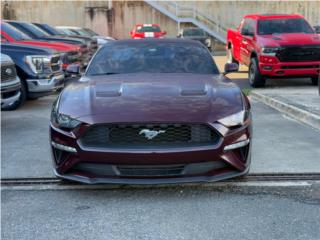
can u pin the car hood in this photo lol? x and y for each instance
(276, 40)
(151, 98)
(61, 47)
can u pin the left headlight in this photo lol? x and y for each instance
(61, 120)
(236, 119)
(39, 64)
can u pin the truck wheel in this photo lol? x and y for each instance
(230, 57)
(255, 77)
(20, 101)
(315, 80)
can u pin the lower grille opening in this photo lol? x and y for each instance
(145, 171)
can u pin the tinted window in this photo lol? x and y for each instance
(148, 29)
(193, 32)
(156, 57)
(248, 27)
(14, 33)
(283, 25)
(49, 29)
(91, 32)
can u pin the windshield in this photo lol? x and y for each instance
(29, 29)
(14, 33)
(67, 31)
(283, 25)
(156, 57)
(148, 29)
(49, 29)
(193, 32)
(91, 32)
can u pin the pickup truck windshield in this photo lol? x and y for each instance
(283, 25)
(156, 57)
(193, 32)
(14, 33)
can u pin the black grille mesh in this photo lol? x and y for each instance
(8, 73)
(299, 53)
(171, 135)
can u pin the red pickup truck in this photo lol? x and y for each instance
(275, 46)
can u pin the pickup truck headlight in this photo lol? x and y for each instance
(39, 64)
(236, 119)
(61, 120)
(270, 51)
(208, 42)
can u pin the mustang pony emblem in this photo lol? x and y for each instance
(150, 134)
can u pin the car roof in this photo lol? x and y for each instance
(272, 16)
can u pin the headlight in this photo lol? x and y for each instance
(235, 119)
(61, 120)
(39, 64)
(270, 51)
(208, 42)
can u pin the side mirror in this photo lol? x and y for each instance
(164, 32)
(73, 69)
(317, 29)
(231, 67)
(130, 33)
(179, 35)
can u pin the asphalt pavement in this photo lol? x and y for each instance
(163, 213)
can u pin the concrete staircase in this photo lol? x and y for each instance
(188, 14)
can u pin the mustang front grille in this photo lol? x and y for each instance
(299, 53)
(152, 135)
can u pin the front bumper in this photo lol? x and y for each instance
(10, 92)
(282, 69)
(44, 86)
(195, 164)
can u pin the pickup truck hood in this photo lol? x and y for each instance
(288, 39)
(151, 98)
(60, 47)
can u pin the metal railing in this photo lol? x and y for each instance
(184, 14)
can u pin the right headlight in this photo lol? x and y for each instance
(270, 51)
(61, 120)
(39, 64)
(236, 119)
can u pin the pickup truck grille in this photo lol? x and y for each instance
(299, 53)
(8, 72)
(142, 136)
(55, 63)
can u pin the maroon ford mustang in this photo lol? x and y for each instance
(151, 111)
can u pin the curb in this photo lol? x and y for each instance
(298, 114)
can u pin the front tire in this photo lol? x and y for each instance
(315, 80)
(255, 77)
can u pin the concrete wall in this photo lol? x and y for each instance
(119, 20)
(229, 13)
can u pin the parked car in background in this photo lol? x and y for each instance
(70, 54)
(66, 31)
(147, 31)
(39, 70)
(86, 32)
(197, 34)
(142, 116)
(37, 33)
(275, 45)
(10, 84)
